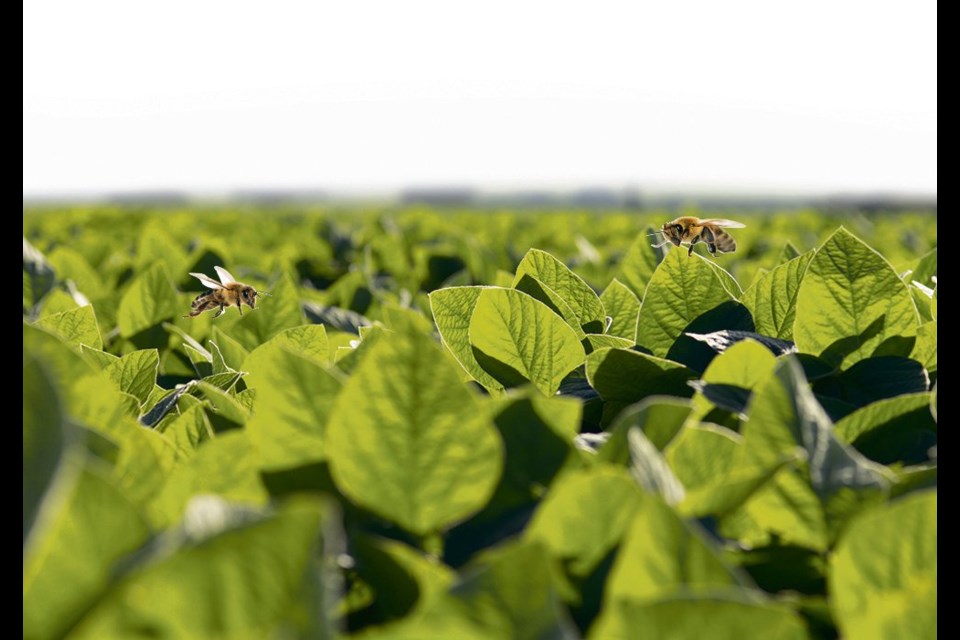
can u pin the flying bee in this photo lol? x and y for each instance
(226, 293)
(690, 230)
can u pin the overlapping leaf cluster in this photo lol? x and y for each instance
(514, 455)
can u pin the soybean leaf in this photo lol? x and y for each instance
(883, 574)
(148, 301)
(452, 309)
(852, 305)
(772, 298)
(76, 327)
(586, 305)
(295, 396)
(517, 338)
(623, 308)
(395, 437)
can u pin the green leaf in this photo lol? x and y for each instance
(924, 270)
(871, 380)
(651, 470)
(38, 275)
(517, 338)
(784, 416)
(640, 262)
(745, 364)
(225, 466)
(925, 348)
(784, 511)
(682, 289)
(623, 377)
(662, 556)
(136, 373)
(922, 298)
(43, 437)
(98, 359)
(509, 593)
(883, 574)
(604, 341)
(659, 417)
(585, 516)
(721, 617)
(708, 461)
(295, 396)
(76, 327)
(787, 253)
(86, 526)
(587, 309)
(404, 581)
(148, 301)
(772, 298)
(223, 405)
(623, 308)
(224, 381)
(71, 265)
(281, 310)
(537, 433)
(232, 573)
(308, 341)
(57, 301)
(452, 309)
(396, 437)
(541, 292)
(891, 430)
(189, 430)
(232, 352)
(157, 246)
(852, 305)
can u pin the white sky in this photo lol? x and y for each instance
(212, 96)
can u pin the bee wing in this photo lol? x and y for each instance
(225, 276)
(722, 222)
(207, 281)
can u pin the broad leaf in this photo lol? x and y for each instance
(772, 298)
(136, 373)
(623, 308)
(723, 617)
(228, 572)
(77, 327)
(149, 300)
(852, 305)
(640, 262)
(396, 437)
(295, 396)
(682, 289)
(585, 516)
(890, 430)
(86, 527)
(452, 309)
(586, 305)
(517, 338)
(623, 377)
(225, 466)
(883, 574)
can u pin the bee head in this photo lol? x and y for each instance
(672, 232)
(248, 296)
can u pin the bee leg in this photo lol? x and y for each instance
(712, 248)
(219, 312)
(239, 308)
(693, 242)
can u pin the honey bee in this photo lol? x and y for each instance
(690, 230)
(226, 293)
